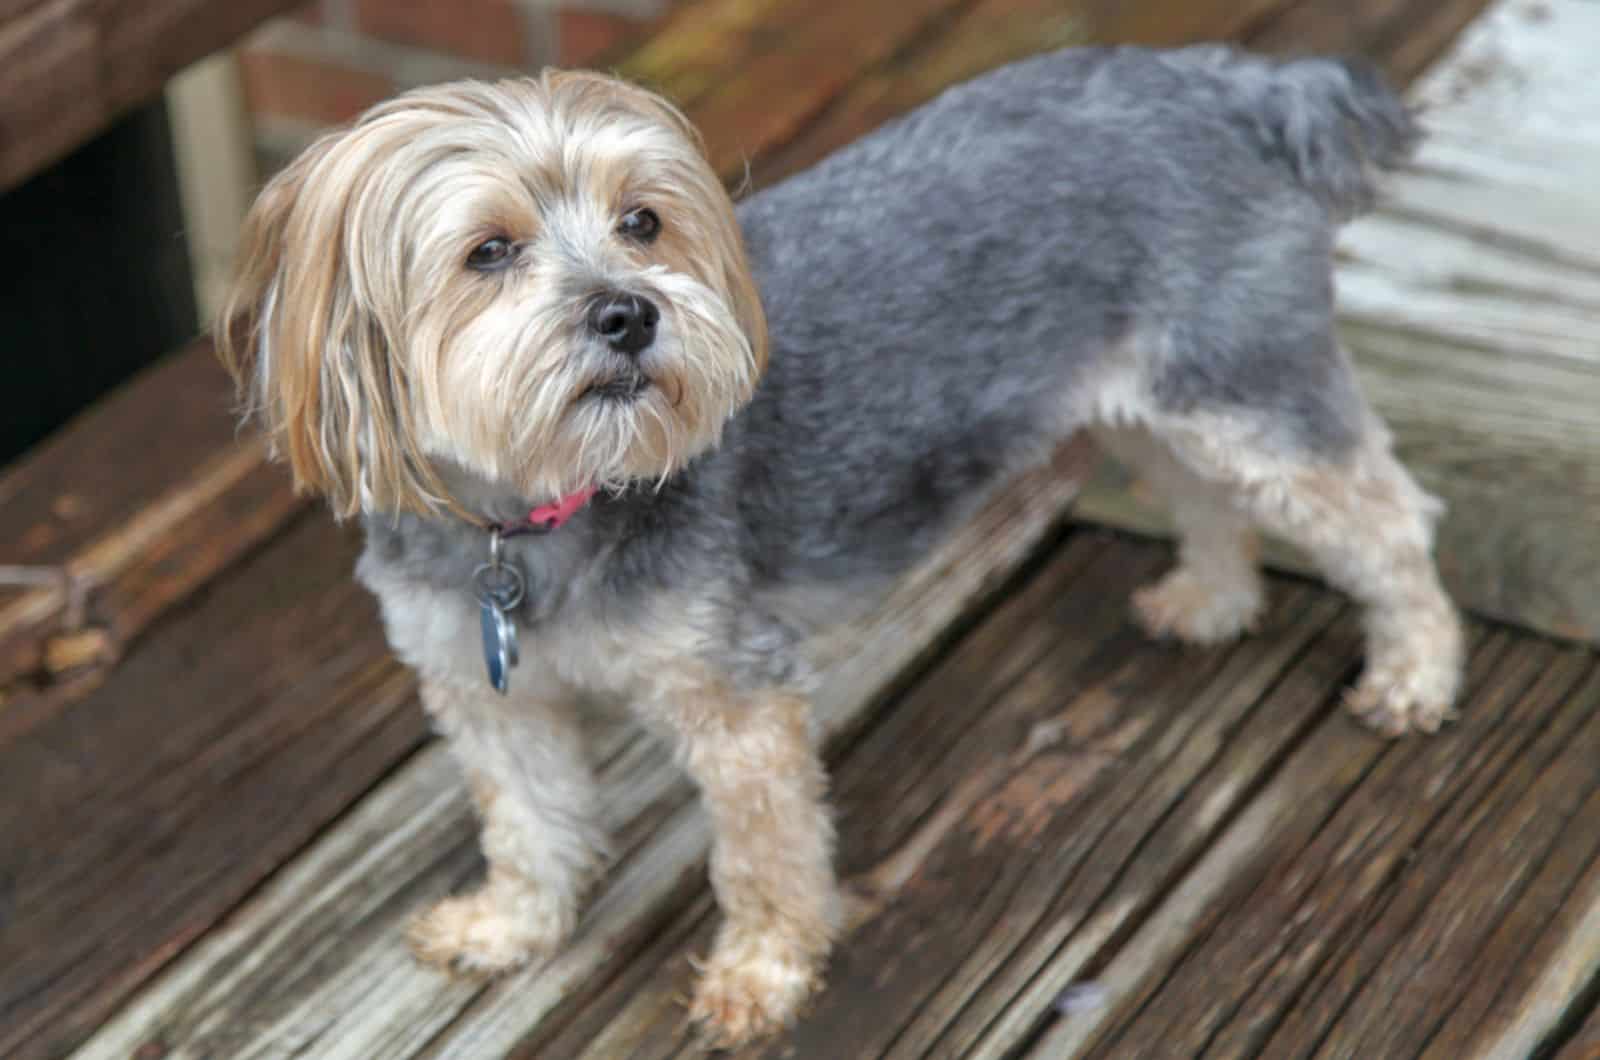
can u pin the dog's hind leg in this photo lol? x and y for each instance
(1365, 524)
(1215, 591)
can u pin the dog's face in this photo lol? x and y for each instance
(539, 281)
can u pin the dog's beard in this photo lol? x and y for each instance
(529, 400)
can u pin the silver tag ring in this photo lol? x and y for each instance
(498, 585)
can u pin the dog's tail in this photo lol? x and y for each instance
(1334, 122)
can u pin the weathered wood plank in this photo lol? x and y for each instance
(1470, 302)
(769, 101)
(1065, 608)
(72, 67)
(51, 104)
(1348, 855)
(132, 574)
(293, 968)
(1469, 875)
(1023, 995)
(1403, 38)
(1012, 964)
(984, 35)
(138, 535)
(1519, 992)
(1584, 1043)
(1301, 803)
(148, 809)
(702, 40)
(652, 1010)
(79, 482)
(321, 1004)
(987, 34)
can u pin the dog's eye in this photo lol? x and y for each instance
(491, 254)
(641, 225)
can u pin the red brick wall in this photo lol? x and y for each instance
(334, 58)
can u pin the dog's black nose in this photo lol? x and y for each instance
(626, 321)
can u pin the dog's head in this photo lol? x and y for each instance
(540, 281)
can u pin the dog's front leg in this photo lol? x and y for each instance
(754, 759)
(536, 800)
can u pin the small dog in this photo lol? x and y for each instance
(486, 310)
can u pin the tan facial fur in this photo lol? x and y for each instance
(372, 352)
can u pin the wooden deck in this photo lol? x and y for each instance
(220, 803)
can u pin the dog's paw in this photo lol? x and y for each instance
(750, 987)
(1410, 685)
(487, 932)
(1181, 605)
(1395, 697)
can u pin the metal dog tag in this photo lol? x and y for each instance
(499, 645)
(499, 587)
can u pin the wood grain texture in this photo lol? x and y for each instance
(143, 499)
(771, 99)
(1404, 38)
(1539, 967)
(1346, 912)
(139, 441)
(143, 812)
(133, 573)
(978, 37)
(1584, 1042)
(69, 68)
(49, 52)
(295, 969)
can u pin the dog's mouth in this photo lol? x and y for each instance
(627, 386)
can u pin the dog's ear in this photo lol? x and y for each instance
(307, 351)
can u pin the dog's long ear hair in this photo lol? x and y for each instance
(307, 349)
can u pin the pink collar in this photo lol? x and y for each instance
(550, 516)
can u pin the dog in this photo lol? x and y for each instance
(615, 440)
